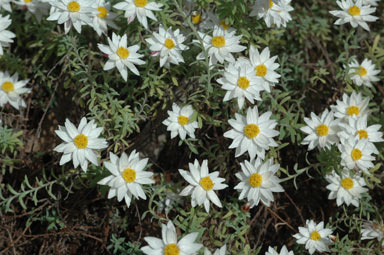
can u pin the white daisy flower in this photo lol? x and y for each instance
(258, 181)
(264, 67)
(5, 35)
(273, 12)
(140, 8)
(354, 106)
(355, 13)
(169, 245)
(283, 251)
(363, 74)
(372, 230)
(128, 175)
(37, 7)
(315, 237)
(220, 46)
(241, 82)
(345, 188)
(179, 121)
(321, 132)
(252, 133)
(72, 12)
(11, 89)
(80, 143)
(221, 251)
(121, 56)
(358, 127)
(103, 18)
(356, 153)
(6, 5)
(202, 184)
(169, 45)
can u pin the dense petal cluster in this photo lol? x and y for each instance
(127, 176)
(355, 13)
(273, 12)
(180, 121)
(314, 236)
(6, 36)
(79, 143)
(252, 133)
(364, 73)
(169, 245)
(202, 185)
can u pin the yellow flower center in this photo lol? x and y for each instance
(224, 25)
(81, 141)
(169, 44)
(73, 6)
(362, 133)
(261, 70)
(362, 71)
(218, 41)
(315, 236)
(354, 10)
(182, 120)
(196, 19)
(251, 130)
(270, 4)
(122, 52)
(103, 13)
(255, 180)
(347, 183)
(27, 1)
(353, 110)
(171, 249)
(140, 3)
(8, 86)
(206, 183)
(243, 82)
(129, 175)
(322, 130)
(356, 154)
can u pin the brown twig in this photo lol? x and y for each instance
(277, 216)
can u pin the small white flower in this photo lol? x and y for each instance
(354, 106)
(363, 74)
(169, 45)
(221, 251)
(128, 175)
(264, 67)
(220, 46)
(72, 12)
(283, 251)
(252, 133)
(11, 89)
(179, 121)
(355, 13)
(5, 35)
(372, 230)
(121, 56)
(103, 17)
(202, 185)
(241, 82)
(6, 5)
(169, 245)
(37, 7)
(346, 188)
(321, 132)
(140, 8)
(258, 181)
(273, 12)
(80, 142)
(356, 153)
(358, 127)
(315, 237)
